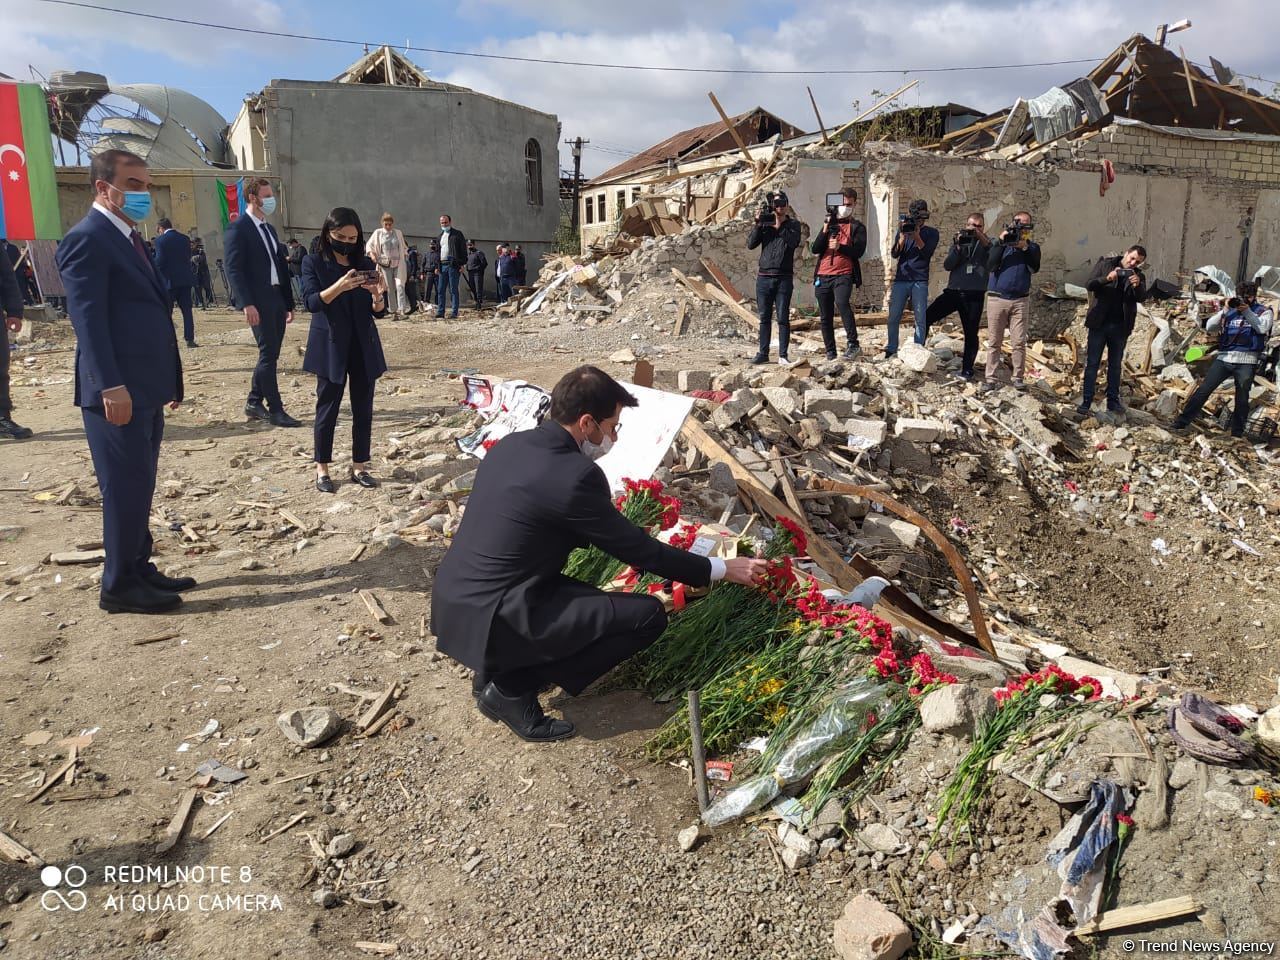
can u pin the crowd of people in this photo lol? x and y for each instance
(990, 275)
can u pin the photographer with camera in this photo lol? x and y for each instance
(1117, 286)
(777, 235)
(913, 249)
(1243, 328)
(966, 287)
(1010, 264)
(839, 245)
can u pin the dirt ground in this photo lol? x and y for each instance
(468, 842)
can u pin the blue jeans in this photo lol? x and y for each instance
(1113, 338)
(918, 291)
(504, 289)
(448, 284)
(1220, 371)
(773, 294)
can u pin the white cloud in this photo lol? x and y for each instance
(634, 109)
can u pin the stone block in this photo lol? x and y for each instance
(866, 434)
(955, 709)
(687, 380)
(740, 403)
(919, 431)
(1117, 458)
(867, 930)
(838, 402)
(1268, 729)
(1114, 682)
(783, 400)
(891, 529)
(721, 479)
(729, 381)
(1167, 404)
(917, 358)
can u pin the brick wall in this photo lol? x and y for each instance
(1254, 161)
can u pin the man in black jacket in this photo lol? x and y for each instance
(11, 301)
(777, 235)
(500, 604)
(413, 261)
(1117, 286)
(966, 287)
(453, 260)
(430, 275)
(839, 245)
(477, 264)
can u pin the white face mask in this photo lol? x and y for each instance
(845, 212)
(594, 451)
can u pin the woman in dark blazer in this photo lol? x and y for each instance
(341, 288)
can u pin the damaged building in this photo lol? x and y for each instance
(409, 145)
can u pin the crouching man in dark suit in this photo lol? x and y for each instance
(127, 369)
(500, 604)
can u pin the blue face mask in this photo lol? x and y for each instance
(268, 205)
(137, 204)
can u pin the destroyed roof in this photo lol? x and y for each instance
(755, 126)
(385, 66)
(1140, 80)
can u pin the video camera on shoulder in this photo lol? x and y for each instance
(774, 200)
(916, 216)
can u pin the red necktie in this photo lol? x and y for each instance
(142, 251)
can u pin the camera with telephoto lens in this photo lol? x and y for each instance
(1235, 303)
(772, 201)
(966, 235)
(907, 223)
(1016, 232)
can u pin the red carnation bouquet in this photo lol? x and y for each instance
(644, 504)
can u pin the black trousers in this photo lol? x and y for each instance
(182, 297)
(329, 400)
(968, 303)
(636, 621)
(429, 294)
(477, 286)
(125, 459)
(1112, 338)
(6, 401)
(411, 292)
(836, 293)
(1220, 371)
(269, 334)
(774, 293)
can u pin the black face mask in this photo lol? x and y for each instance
(344, 247)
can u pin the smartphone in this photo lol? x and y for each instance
(368, 276)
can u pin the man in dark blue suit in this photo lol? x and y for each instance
(258, 271)
(173, 260)
(127, 369)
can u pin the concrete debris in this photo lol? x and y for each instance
(309, 726)
(918, 431)
(867, 930)
(956, 709)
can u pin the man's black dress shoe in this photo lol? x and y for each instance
(139, 598)
(362, 477)
(257, 411)
(523, 714)
(170, 584)
(281, 419)
(10, 429)
(325, 484)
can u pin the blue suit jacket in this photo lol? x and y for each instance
(334, 325)
(120, 311)
(173, 259)
(249, 267)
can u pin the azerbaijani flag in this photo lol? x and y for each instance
(231, 200)
(28, 189)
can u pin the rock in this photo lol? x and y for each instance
(1224, 802)
(1113, 681)
(955, 709)
(917, 358)
(687, 380)
(880, 837)
(309, 726)
(73, 557)
(783, 400)
(827, 823)
(866, 434)
(721, 479)
(1167, 404)
(740, 403)
(919, 431)
(829, 846)
(728, 382)
(789, 836)
(341, 845)
(470, 865)
(890, 530)
(324, 897)
(688, 838)
(1183, 772)
(1176, 371)
(1116, 457)
(14, 893)
(154, 934)
(837, 402)
(795, 859)
(1268, 729)
(461, 482)
(867, 930)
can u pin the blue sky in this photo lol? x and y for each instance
(621, 111)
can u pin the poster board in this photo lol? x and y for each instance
(645, 434)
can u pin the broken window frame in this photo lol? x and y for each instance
(533, 172)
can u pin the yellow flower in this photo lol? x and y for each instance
(776, 713)
(769, 687)
(1266, 796)
(797, 626)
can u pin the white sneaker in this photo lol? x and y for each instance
(784, 362)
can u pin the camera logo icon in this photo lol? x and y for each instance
(53, 899)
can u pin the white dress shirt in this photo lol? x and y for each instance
(718, 569)
(115, 218)
(264, 236)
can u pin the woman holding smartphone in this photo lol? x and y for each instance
(344, 293)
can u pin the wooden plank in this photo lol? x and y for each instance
(16, 852)
(377, 708)
(173, 832)
(61, 772)
(157, 638)
(698, 286)
(1186, 72)
(728, 124)
(289, 825)
(1253, 101)
(835, 135)
(749, 321)
(682, 313)
(822, 129)
(719, 277)
(376, 610)
(1145, 913)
